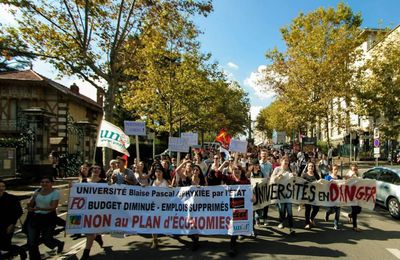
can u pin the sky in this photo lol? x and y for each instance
(239, 32)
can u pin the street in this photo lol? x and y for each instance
(379, 239)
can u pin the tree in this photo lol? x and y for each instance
(92, 39)
(14, 53)
(186, 93)
(379, 93)
(317, 64)
(278, 116)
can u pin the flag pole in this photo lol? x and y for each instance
(95, 144)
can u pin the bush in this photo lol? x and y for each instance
(70, 163)
(323, 146)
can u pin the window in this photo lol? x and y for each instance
(389, 176)
(371, 174)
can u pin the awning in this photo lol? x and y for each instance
(56, 140)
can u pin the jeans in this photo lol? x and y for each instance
(355, 210)
(5, 244)
(335, 210)
(261, 213)
(286, 208)
(41, 229)
(310, 215)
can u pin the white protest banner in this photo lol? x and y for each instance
(176, 144)
(191, 138)
(135, 128)
(113, 137)
(353, 192)
(238, 146)
(215, 210)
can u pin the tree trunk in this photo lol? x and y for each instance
(108, 116)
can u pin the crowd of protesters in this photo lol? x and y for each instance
(200, 168)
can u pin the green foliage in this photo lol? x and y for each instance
(323, 146)
(14, 54)
(181, 90)
(316, 67)
(13, 142)
(98, 40)
(70, 163)
(379, 94)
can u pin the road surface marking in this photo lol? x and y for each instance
(394, 251)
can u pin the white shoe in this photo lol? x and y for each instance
(280, 226)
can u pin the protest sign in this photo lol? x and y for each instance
(191, 138)
(215, 210)
(238, 146)
(135, 128)
(353, 192)
(176, 144)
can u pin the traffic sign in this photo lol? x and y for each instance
(377, 152)
(376, 143)
(376, 133)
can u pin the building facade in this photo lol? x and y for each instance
(39, 116)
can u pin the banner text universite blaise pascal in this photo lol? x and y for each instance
(100, 208)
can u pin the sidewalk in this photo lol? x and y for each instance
(361, 164)
(23, 189)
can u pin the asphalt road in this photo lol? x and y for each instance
(379, 239)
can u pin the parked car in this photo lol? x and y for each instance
(388, 188)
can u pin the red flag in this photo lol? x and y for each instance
(223, 138)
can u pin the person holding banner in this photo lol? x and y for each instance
(158, 182)
(310, 175)
(266, 169)
(254, 172)
(142, 178)
(123, 175)
(331, 177)
(84, 172)
(281, 173)
(184, 179)
(355, 210)
(97, 175)
(113, 165)
(198, 178)
(238, 177)
(228, 166)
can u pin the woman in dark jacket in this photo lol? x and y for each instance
(11, 212)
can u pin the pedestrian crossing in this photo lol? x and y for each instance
(394, 251)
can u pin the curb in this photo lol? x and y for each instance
(27, 194)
